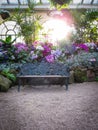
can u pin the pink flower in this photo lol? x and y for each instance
(93, 59)
(36, 43)
(50, 58)
(1, 44)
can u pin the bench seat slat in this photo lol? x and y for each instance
(42, 76)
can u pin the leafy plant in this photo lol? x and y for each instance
(86, 23)
(96, 79)
(8, 40)
(7, 49)
(80, 75)
(21, 52)
(28, 21)
(6, 72)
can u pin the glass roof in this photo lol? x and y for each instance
(4, 4)
(46, 1)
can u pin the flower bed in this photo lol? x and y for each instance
(75, 56)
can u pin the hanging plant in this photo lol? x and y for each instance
(59, 3)
(4, 14)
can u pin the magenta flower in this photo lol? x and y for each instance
(50, 58)
(82, 46)
(46, 50)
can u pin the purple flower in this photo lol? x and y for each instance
(20, 47)
(0, 44)
(33, 57)
(56, 53)
(50, 58)
(32, 48)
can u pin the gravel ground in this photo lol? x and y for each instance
(50, 108)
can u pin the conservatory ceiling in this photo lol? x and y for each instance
(11, 4)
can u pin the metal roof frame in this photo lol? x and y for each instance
(45, 6)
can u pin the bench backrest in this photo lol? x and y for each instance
(44, 68)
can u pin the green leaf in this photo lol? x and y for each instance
(8, 39)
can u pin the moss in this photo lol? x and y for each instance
(80, 75)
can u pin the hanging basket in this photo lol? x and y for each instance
(4, 14)
(59, 2)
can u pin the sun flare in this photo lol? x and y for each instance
(57, 29)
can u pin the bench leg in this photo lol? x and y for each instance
(66, 83)
(19, 83)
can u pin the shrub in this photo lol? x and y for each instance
(80, 75)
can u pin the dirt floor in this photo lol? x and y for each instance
(50, 108)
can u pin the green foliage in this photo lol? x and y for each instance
(83, 59)
(28, 21)
(22, 57)
(8, 40)
(86, 22)
(7, 49)
(91, 15)
(96, 79)
(80, 75)
(6, 72)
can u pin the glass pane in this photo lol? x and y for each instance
(10, 24)
(45, 1)
(95, 2)
(76, 1)
(3, 1)
(37, 1)
(87, 1)
(2, 29)
(9, 28)
(23, 1)
(13, 1)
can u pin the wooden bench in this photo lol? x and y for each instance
(43, 70)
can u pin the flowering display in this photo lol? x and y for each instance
(21, 52)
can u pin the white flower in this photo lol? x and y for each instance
(40, 48)
(91, 45)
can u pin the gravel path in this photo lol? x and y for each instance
(50, 108)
